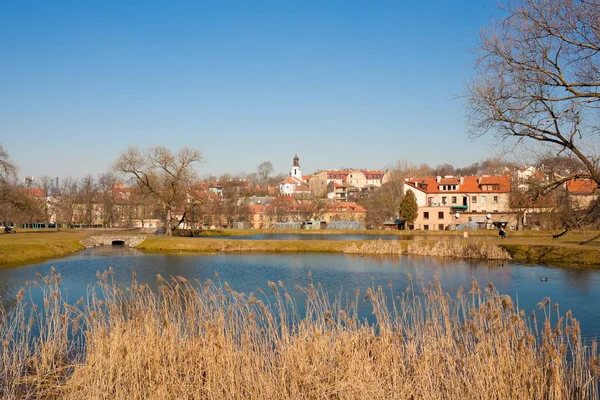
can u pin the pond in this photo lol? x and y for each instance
(575, 289)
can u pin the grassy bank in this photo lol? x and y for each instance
(211, 246)
(533, 247)
(527, 247)
(30, 247)
(204, 340)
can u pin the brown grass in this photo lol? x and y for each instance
(440, 248)
(205, 341)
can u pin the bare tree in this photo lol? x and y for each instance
(162, 174)
(383, 203)
(67, 200)
(15, 205)
(106, 192)
(233, 207)
(42, 200)
(264, 172)
(8, 170)
(538, 81)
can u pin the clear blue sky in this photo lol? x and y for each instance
(341, 83)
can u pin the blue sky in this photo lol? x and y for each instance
(341, 83)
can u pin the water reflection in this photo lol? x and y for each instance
(578, 290)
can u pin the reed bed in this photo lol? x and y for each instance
(378, 246)
(198, 340)
(458, 249)
(441, 248)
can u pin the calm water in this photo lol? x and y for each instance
(574, 289)
(305, 236)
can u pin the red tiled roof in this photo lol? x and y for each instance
(471, 184)
(289, 179)
(36, 192)
(345, 206)
(259, 208)
(373, 174)
(584, 186)
(337, 174)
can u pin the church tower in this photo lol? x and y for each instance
(295, 171)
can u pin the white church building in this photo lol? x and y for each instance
(295, 183)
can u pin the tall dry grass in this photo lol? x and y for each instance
(192, 340)
(378, 246)
(440, 248)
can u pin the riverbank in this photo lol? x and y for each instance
(31, 247)
(526, 247)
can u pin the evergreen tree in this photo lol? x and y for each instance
(408, 208)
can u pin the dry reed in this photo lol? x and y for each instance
(378, 246)
(205, 341)
(440, 248)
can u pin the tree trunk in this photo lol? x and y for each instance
(168, 227)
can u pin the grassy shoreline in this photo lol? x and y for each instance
(526, 247)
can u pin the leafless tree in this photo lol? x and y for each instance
(7, 168)
(43, 200)
(162, 174)
(233, 208)
(67, 200)
(15, 206)
(383, 203)
(538, 80)
(106, 191)
(264, 171)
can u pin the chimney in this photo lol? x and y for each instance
(461, 180)
(438, 179)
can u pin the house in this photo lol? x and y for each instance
(582, 192)
(449, 202)
(344, 211)
(364, 178)
(260, 216)
(338, 191)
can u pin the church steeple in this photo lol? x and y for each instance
(295, 171)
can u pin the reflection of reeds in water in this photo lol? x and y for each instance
(440, 248)
(193, 340)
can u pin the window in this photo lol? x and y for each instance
(441, 227)
(444, 200)
(474, 199)
(440, 214)
(453, 199)
(496, 199)
(426, 215)
(483, 199)
(426, 227)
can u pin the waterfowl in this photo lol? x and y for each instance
(545, 279)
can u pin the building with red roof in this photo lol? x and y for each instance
(447, 201)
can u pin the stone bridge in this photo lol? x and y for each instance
(108, 240)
